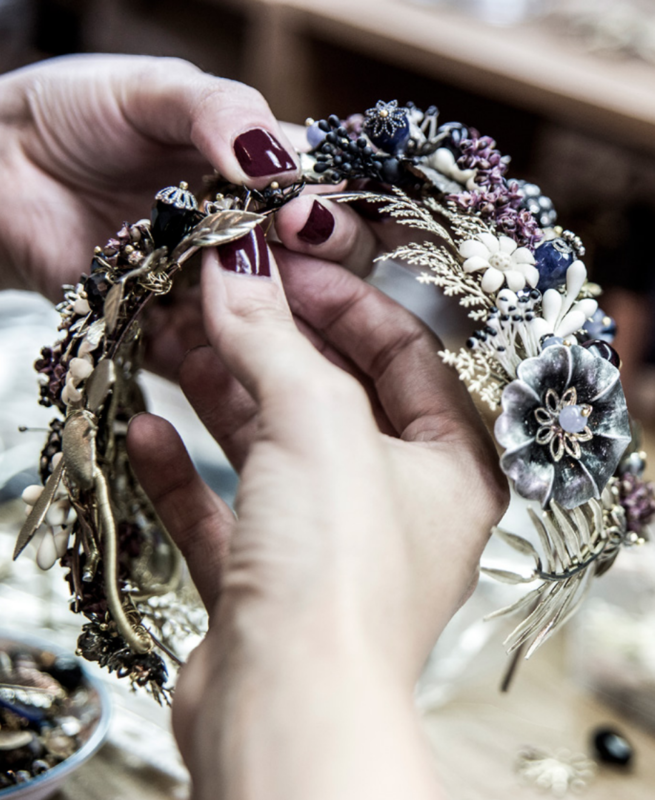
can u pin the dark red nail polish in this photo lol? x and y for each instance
(247, 255)
(319, 225)
(260, 153)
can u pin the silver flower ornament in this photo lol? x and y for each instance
(564, 426)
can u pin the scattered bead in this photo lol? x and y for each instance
(612, 747)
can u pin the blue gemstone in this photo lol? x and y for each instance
(315, 136)
(553, 258)
(600, 326)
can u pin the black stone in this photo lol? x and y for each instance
(170, 224)
(391, 170)
(96, 287)
(67, 672)
(604, 350)
(611, 747)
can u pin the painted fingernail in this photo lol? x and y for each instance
(319, 225)
(260, 153)
(247, 255)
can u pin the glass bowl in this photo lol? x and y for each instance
(92, 735)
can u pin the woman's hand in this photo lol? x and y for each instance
(87, 141)
(368, 489)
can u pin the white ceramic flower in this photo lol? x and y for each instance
(444, 162)
(502, 260)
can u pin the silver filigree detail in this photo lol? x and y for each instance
(552, 434)
(178, 196)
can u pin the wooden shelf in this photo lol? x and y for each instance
(527, 66)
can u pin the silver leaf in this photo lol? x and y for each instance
(39, 510)
(112, 306)
(507, 577)
(519, 544)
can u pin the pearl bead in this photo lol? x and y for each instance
(315, 136)
(572, 420)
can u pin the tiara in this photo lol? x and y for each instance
(540, 352)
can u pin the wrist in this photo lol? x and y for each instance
(308, 722)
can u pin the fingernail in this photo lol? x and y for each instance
(247, 255)
(260, 153)
(319, 225)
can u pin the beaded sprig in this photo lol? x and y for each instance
(540, 353)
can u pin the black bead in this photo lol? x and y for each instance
(66, 671)
(170, 224)
(604, 350)
(391, 170)
(612, 747)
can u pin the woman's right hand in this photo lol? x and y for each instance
(368, 490)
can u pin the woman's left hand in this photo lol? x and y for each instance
(87, 141)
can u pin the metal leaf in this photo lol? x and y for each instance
(507, 577)
(112, 306)
(527, 600)
(519, 544)
(79, 448)
(566, 607)
(99, 383)
(543, 538)
(556, 538)
(570, 534)
(216, 229)
(535, 619)
(95, 333)
(39, 510)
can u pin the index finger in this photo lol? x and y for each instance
(172, 101)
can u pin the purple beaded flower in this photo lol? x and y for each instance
(564, 426)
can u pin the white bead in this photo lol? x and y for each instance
(70, 395)
(80, 368)
(46, 556)
(57, 514)
(61, 538)
(31, 494)
(81, 307)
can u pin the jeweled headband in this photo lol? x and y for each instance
(541, 352)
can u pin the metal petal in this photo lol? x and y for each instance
(543, 416)
(570, 397)
(571, 446)
(545, 435)
(557, 447)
